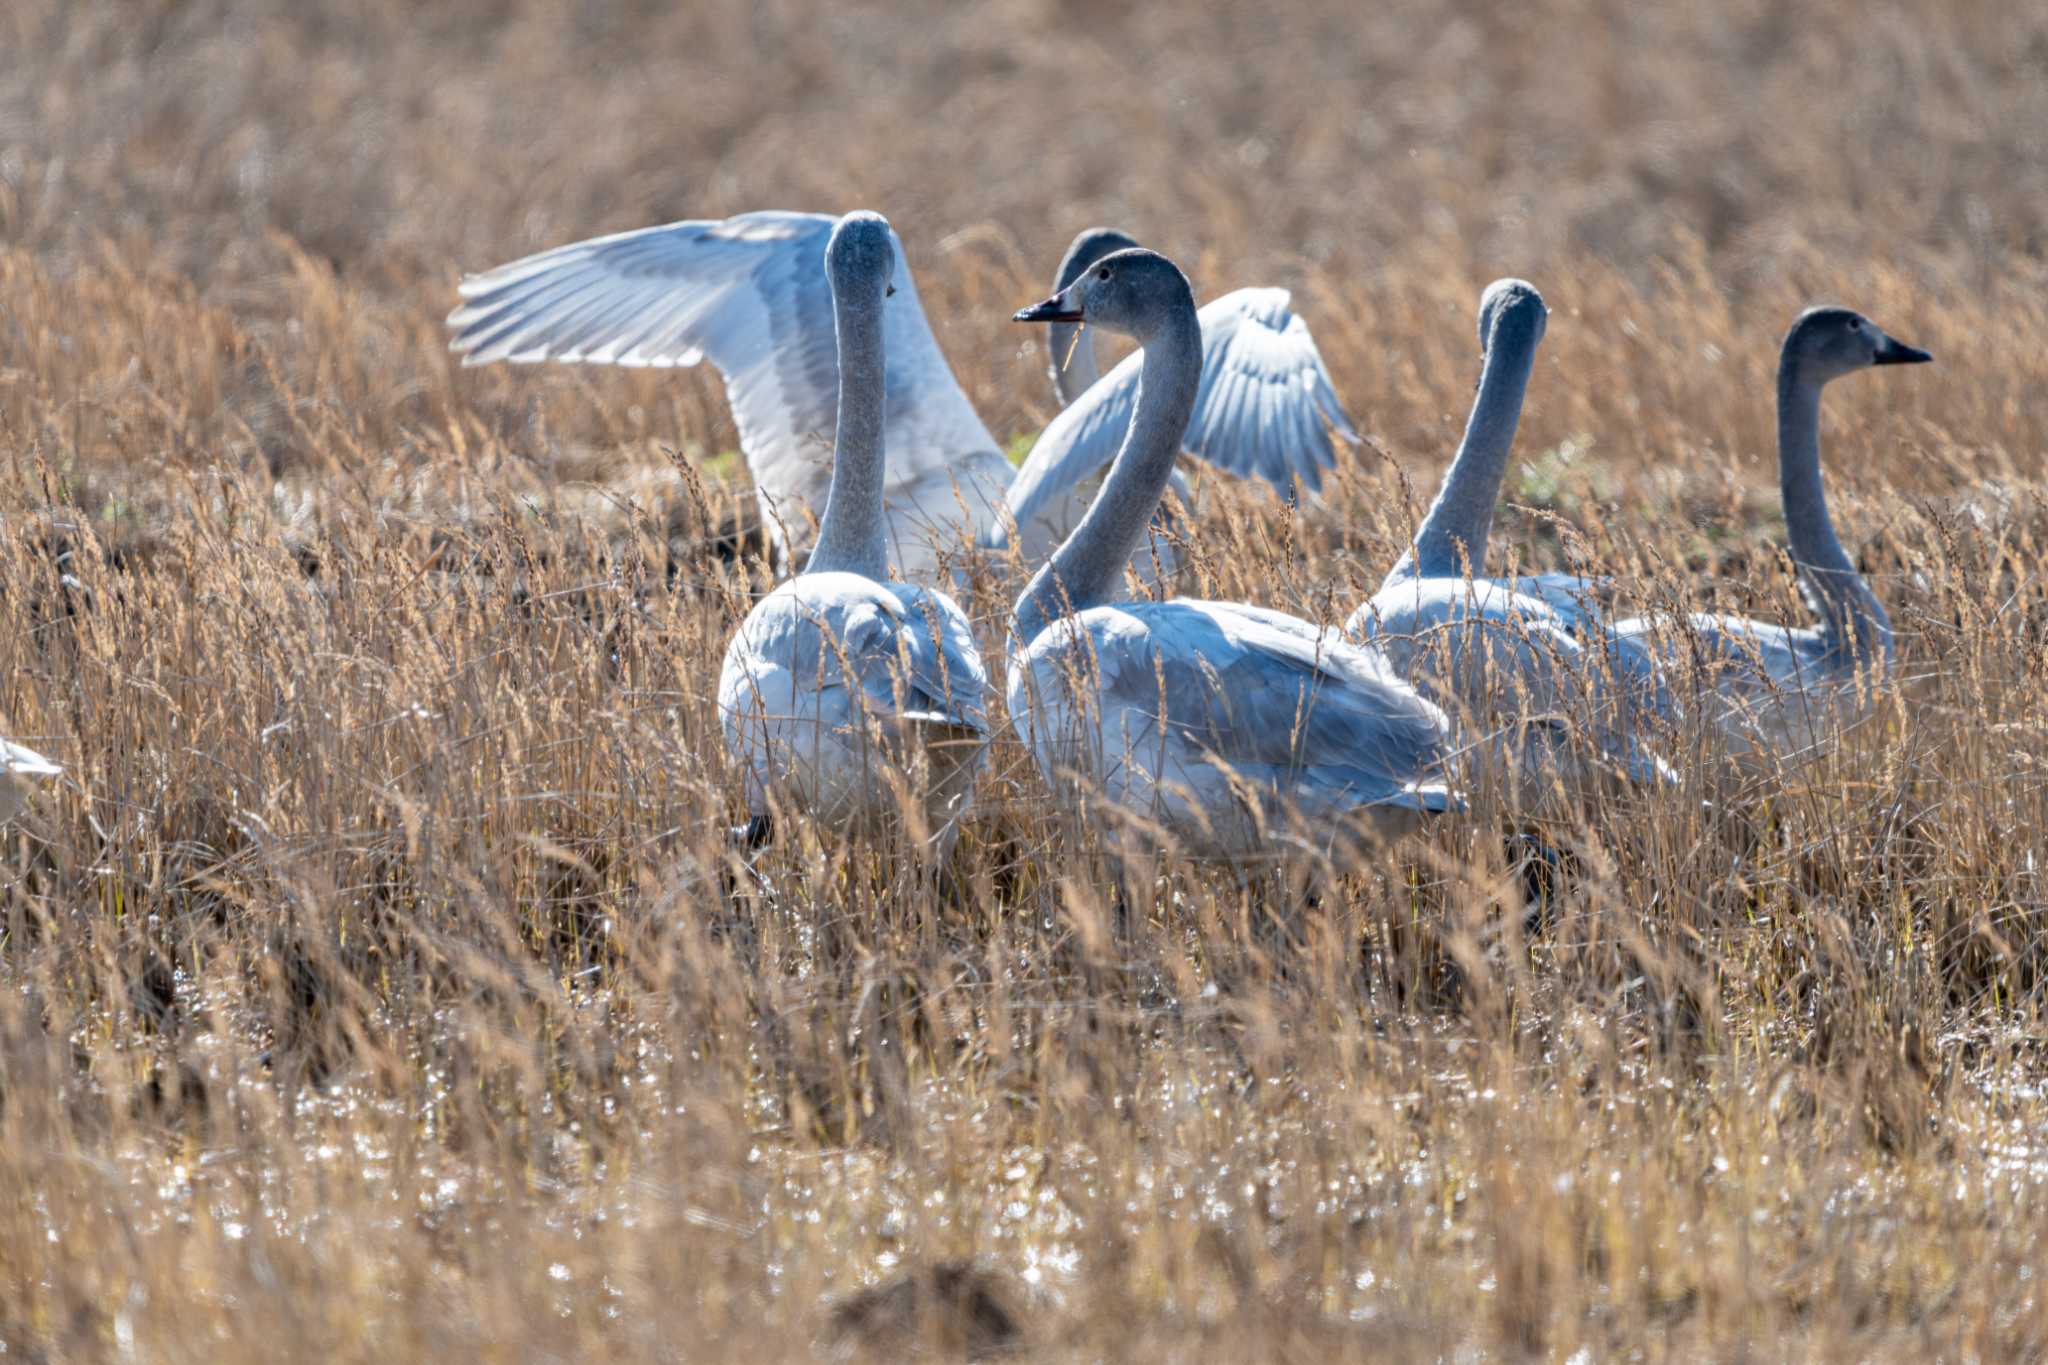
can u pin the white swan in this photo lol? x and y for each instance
(1501, 652)
(1266, 407)
(22, 771)
(839, 672)
(1213, 719)
(748, 294)
(1780, 693)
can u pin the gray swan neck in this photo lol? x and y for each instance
(1088, 566)
(1452, 538)
(1075, 366)
(852, 537)
(1851, 616)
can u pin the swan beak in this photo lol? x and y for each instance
(1899, 353)
(1055, 309)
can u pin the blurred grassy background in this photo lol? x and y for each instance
(373, 980)
(1782, 153)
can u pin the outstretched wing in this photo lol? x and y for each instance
(18, 760)
(750, 294)
(1266, 407)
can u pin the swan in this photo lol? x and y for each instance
(840, 666)
(1073, 365)
(1213, 719)
(23, 770)
(1266, 398)
(1502, 651)
(1781, 691)
(747, 293)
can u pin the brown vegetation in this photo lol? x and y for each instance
(375, 981)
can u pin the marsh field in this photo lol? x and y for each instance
(376, 984)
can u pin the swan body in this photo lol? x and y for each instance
(747, 294)
(839, 674)
(22, 771)
(833, 675)
(1504, 656)
(1212, 720)
(1778, 694)
(1219, 722)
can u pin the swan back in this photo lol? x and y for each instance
(833, 672)
(1214, 718)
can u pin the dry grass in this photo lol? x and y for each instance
(374, 982)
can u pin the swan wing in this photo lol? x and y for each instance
(946, 679)
(908, 649)
(1733, 653)
(1577, 599)
(1263, 693)
(749, 294)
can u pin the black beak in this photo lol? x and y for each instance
(1054, 309)
(1899, 353)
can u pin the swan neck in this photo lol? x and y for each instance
(1087, 568)
(852, 537)
(1452, 538)
(1849, 612)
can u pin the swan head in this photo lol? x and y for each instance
(1511, 308)
(1827, 343)
(860, 257)
(1133, 292)
(1075, 364)
(1088, 248)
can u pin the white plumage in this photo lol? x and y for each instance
(22, 771)
(833, 676)
(1225, 725)
(1777, 695)
(1516, 679)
